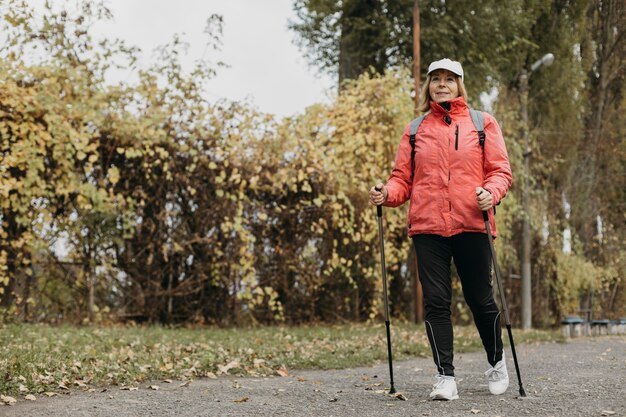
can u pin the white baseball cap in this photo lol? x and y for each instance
(447, 64)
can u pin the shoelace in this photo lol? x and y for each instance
(494, 374)
(440, 381)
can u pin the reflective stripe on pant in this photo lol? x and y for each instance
(472, 259)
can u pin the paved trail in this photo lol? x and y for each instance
(584, 377)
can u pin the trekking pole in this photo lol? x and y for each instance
(503, 301)
(379, 212)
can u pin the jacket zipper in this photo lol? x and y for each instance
(456, 138)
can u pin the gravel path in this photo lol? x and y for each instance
(584, 377)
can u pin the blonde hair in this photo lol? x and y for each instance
(425, 98)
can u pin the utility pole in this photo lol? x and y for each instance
(418, 294)
(527, 304)
(416, 51)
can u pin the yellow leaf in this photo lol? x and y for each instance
(114, 175)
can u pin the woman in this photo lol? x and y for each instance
(453, 180)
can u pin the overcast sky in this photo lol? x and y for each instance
(265, 65)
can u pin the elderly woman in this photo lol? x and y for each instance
(450, 176)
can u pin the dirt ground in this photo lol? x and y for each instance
(584, 377)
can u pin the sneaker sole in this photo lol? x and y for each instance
(439, 397)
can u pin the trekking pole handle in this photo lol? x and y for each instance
(379, 208)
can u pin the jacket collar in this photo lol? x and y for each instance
(457, 107)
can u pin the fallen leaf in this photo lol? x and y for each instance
(23, 388)
(154, 387)
(185, 384)
(63, 386)
(333, 400)
(608, 412)
(241, 400)
(300, 379)
(426, 413)
(474, 411)
(282, 371)
(211, 375)
(167, 381)
(7, 400)
(225, 368)
(30, 397)
(401, 397)
(50, 394)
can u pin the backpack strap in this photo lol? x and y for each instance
(479, 123)
(415, 124)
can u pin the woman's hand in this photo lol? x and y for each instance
(484, 199)
(378, 194)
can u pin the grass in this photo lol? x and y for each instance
(39, 359)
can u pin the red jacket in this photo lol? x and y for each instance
(449, 165)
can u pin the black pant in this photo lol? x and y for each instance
(472, 258)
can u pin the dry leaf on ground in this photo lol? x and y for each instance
(282, 371)
(225, 368)
(30, 397)
(242, 400)
(7, 400)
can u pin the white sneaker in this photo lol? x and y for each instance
(444, 388)
(498, 377)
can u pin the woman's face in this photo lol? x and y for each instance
(443, 86)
